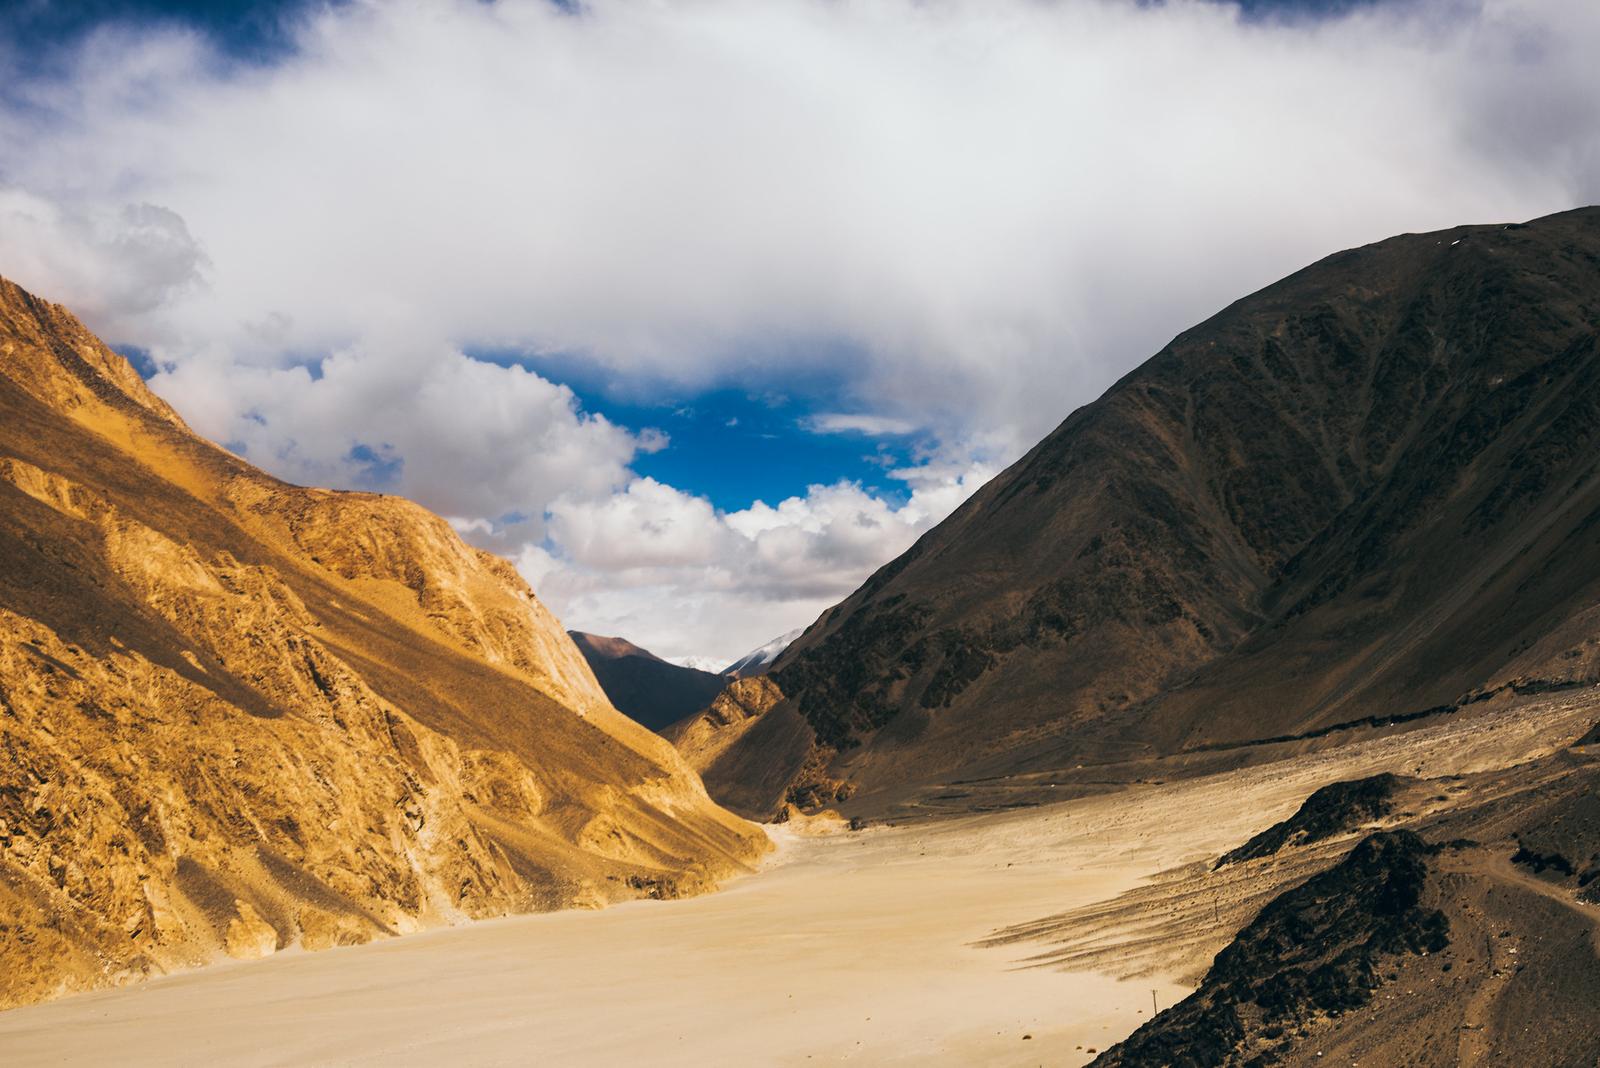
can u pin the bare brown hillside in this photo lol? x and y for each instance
(1368, 490)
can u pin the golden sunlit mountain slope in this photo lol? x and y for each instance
(237, 714)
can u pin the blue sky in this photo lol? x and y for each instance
(247, 29)
(701, 310)
(729, 443)
(735, 447)
(738, 441)
(254, 29)
(732, 442)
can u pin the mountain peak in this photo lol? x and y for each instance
(1298, 515)
(45, 349)
(759, 660)
(281, 715)
(653, 691)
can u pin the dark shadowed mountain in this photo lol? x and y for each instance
(650, 690)
(1371, 489)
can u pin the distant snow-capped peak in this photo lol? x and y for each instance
(698, 663)
(758, 660)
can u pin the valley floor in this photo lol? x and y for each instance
(874, 947)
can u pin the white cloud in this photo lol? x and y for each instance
(119, 262)
(999, 205)
(674, 574)
(878, 426)
(974, 215)
(468, 438)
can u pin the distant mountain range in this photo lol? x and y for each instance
(1370, 490)
(707, 664)
(640, 684)
(657, 692)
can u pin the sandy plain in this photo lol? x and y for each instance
(865, 947)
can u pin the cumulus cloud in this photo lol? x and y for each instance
(971, 215)
(1011, 199)
(653, 560)
(120, 262)
(471, 439)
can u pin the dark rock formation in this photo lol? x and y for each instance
(1337, 807)
(1320, 949)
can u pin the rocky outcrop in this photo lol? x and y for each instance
(707, 734)
(237, 715)
(1318, 950)
(750, 746)
(1334, 809)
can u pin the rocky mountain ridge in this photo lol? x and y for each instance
(1306, 511)
(237, 714)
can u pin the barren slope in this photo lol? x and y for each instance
(237, 714)
(1302, 512)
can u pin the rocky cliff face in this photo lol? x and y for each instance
(1369, 489)
(748, 738)
(237, 714)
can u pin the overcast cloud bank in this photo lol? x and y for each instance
(1000, 206)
